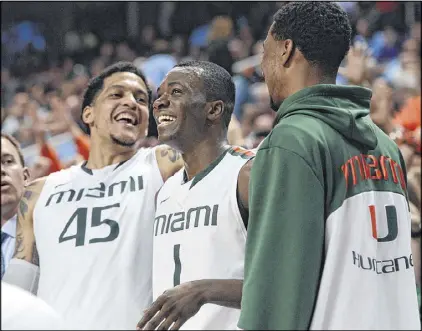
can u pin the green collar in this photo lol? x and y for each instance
(201, 175)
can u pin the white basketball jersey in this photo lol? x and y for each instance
(199, 234)
(93, 230)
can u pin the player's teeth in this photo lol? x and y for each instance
(166, 118)
(125, 117)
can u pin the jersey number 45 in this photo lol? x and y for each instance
(80, 216)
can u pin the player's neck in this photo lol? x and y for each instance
(199, 158)
(101, 156)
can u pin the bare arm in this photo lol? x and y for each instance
(169, 161)
(243, 183)
(26, 248)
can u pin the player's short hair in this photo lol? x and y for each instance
(319, 29)
(96, 84)
(15, 144)
(218, 85)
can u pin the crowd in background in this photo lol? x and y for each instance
(45, 101)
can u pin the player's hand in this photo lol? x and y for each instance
(173, 308)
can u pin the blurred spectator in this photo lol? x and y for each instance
(384, 44)
(9, 85)
(220, 34)
(147, 37)
(107, 53)
(402, 72)
(14, 176)
(18, 123)
(260, 128)
(409, 116)
(415, 32)
(234, 133)
(158, 65)
(124, 52)
(97, 65)
(363, 33)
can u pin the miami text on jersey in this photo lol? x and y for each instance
(182, 220)
(372, 167)
(97, 192)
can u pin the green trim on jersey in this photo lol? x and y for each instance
(201, 175)
(235, 151)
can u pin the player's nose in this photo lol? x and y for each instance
(3, 170)
(160, 103)
(130, 101)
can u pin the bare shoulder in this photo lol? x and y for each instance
(245, 171)
(243, 182)
(36, 185)
(169, 161)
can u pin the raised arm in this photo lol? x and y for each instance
(46, 150)
(169, 161)
(23, 270)
(25, 240)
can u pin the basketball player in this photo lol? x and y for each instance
(328, 244)
(202, 211)
(89, 228)
(21, 310)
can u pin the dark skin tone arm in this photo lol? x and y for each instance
(26, 248)
(175, 306)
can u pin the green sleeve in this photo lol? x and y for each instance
(285, 242)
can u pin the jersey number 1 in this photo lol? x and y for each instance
(177, 265)
(80, 215)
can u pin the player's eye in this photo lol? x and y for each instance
(176, 91)
(115, 95)
(7, 160)
(141, 99)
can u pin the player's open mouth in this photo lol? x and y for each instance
(127, 118)
(166, 119)
(5, 185)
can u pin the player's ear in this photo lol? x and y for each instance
(215, 110)
(26, 175)
(286, 50)
(88, 115)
